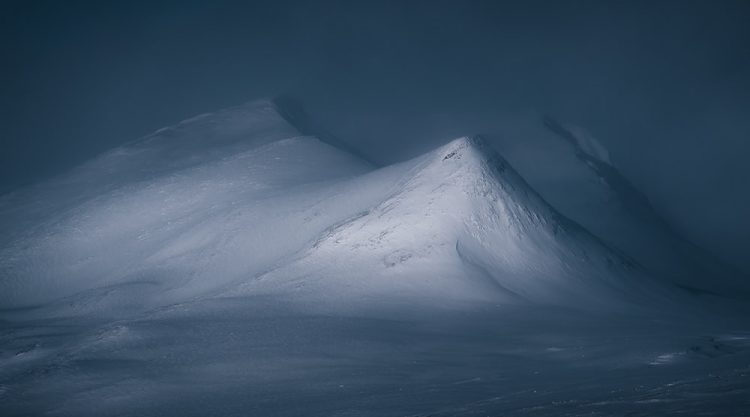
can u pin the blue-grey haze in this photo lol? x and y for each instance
(663, 84)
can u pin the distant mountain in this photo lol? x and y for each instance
(575, 174)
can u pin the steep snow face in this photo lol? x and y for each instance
(171, 216)
(460, 225)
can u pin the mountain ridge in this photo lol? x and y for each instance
(686, 263)
(239, 202)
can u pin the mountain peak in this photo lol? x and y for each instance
(455, 223)
(470, 159)
(467, 153)
(471, 146)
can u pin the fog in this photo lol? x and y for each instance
(664, 85)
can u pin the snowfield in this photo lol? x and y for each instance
(231, 265)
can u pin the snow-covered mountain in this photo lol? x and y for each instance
(233, 265)
(240, 202)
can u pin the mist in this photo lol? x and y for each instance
(662, 84)
(383, 208)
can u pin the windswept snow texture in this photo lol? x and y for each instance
(232, 265)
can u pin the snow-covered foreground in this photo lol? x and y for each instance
(231, 265)
(260, 357)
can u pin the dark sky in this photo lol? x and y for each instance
(664, 85)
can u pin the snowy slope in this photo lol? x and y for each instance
(459, 225)
(170, 216)
(239, 198)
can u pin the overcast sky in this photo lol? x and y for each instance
(664, 85)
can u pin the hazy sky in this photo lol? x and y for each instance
(665, 85)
